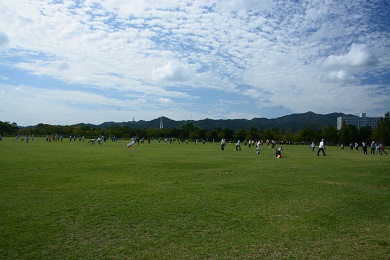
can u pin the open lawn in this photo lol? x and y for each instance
(74, 200)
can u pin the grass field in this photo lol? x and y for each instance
(74, 200)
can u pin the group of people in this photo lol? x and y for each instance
(321, 147)
(278, 150)
(24, 138)
(250, 143)
(99, 140)
(60, 137)
(378, 148)
(374, 147)
(238, 145)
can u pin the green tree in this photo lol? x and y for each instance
(348, 134)
(253, 133)
(330, 135)
(240, 135)
(365, 134)
(42, 129)
(272, 134)
(213, 134)
(216, 132)
(193, 134)
(165, 132)
(289, 136)
(381, 134)
(262, 134)
(228, 134)
(306, 135)
(8, 129)
(154, 133)
(187, 129)
(202, 134)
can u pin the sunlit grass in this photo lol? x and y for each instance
(162, 201)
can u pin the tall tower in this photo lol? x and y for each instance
(161, 123)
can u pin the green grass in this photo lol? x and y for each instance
(75, 200)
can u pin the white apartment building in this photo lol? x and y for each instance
(358, 121)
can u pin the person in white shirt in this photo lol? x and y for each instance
(238, 146)
(222, 144)
(321, 148)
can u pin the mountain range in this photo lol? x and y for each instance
(293, 122)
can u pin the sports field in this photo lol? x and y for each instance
(74, 200)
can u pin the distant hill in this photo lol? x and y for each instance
(293, 122)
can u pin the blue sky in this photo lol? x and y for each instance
(92, 61)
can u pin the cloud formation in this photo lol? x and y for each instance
(3, 39)
(186, 59)
(173, 71)
(357, 56)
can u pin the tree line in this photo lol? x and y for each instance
(346, 135)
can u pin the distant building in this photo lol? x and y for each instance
(161, 123)
(358, 121)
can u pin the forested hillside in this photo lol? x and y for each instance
(292, 122)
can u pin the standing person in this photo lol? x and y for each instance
(258, 147)
(373, 146)
(238, 146)
(321, 147)
(312, 146)
(223, 144)
(364, 145)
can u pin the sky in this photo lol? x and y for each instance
(93, 61)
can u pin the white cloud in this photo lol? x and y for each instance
(328, 33)
(340, 76)
(357, 56)
(125, 8)
(165, 101)
(3, 39)
(162, 55)
(238, 5)
(173, 71)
